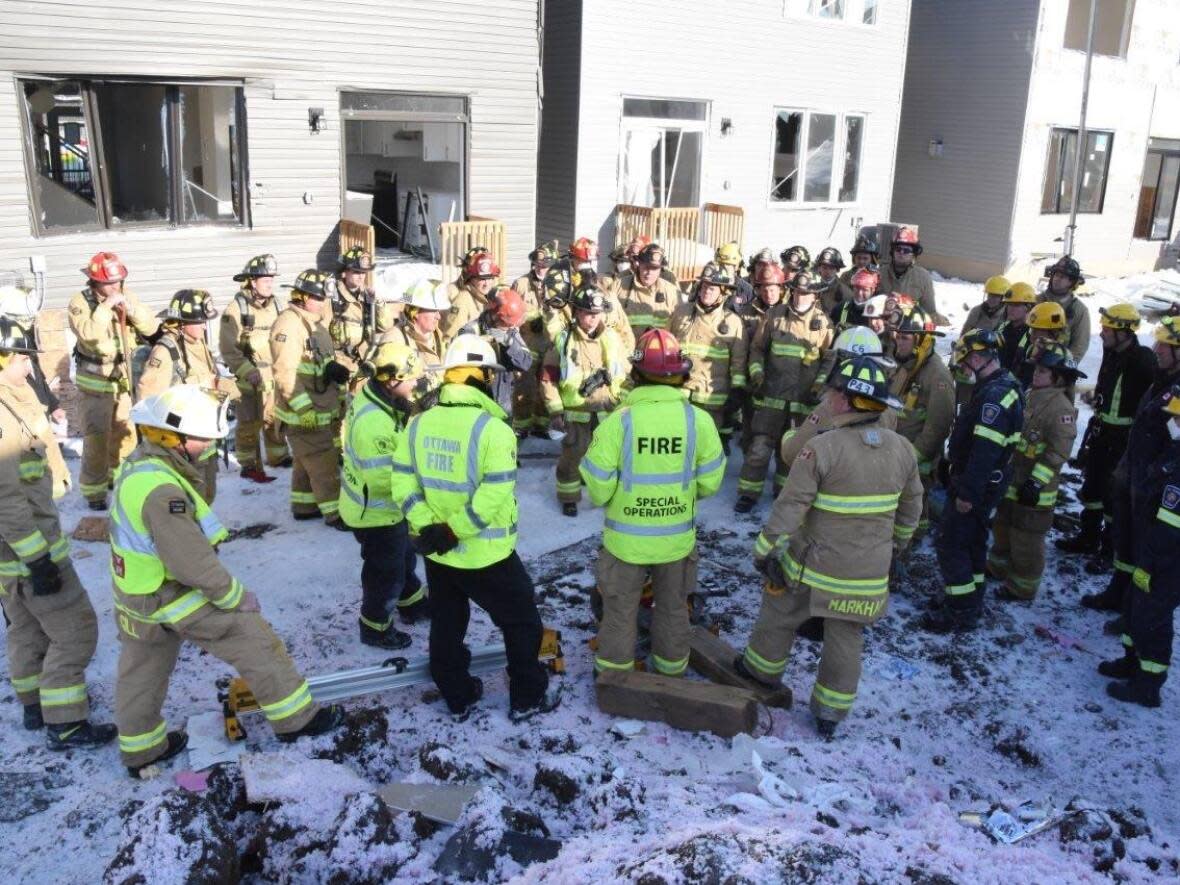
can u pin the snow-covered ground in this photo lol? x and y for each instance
(942, 725)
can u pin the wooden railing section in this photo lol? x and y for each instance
(352, 234)
(456, 237)
(681, 231)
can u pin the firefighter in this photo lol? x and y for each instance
(714, 337)
(794, 259)
(784, 364)
(582, 377)
(466, 262)
(728, 257)
(850, 505)
(499, 325)
(1047, 323)
(828, 265)
(1151, 600)
(648, 299)
(850, 311)
(923, 385)
(1146, 440)
(309, 388)
(1065, 276)
(901, 275)
(1024, 517)
(767, 280)
(528, 412)
(531, 286)
(19, 305)
(657, 447)
(1125, 374)
(104, 318)
(562, 281)
(455, 482)
(1014, 332)
(864, 256)
(424, 303)
(480, 275)
(244, 343)
(373, 430)
(358, 318)
(979, 456)
(989, 313)
(52, 628)
(170, 586)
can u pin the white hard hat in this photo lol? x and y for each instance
(861, 341)
(186, 409)
(876, 307)
(426, 294)
(470, 350)
(16, 302)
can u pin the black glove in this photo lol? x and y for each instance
(733, 406)
(335, 373)
(45, 576)
(1030, 493)
(772, 569)
(597, 379)
(944, 473)
(436, 538)
(537, 325)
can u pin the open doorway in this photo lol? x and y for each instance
(405, 166)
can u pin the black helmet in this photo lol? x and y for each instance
(1067, 266)
(355, 258)
(313, 283)
(545, 254)
(765, 255)
(915, 321)
(866, 245)
(862, 376)
(976, 341)
(258, 266)
(796, 257)
(716, 275)
(806, 281)
(652, 255)
(189, 306)
(591, 299)
(1056, 356)
(829, 255)
(15, 338)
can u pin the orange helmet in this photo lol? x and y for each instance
(907, 236)
(657, 352)
(865, 279)
(105, 267)
(481, 267)
(507, 306)
(637, 245)
(584, 250)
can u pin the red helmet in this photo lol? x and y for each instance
(507, 306)
(657, 352)
(637, 245)
(908, 236)
(769, 274)
(480, 267)
(584, 250)
(865, 278)
(105, 267)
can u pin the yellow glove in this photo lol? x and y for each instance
(1142, 580)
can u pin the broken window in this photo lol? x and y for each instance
(1158, 191)
(854, 128)
(1112, 26)
(661, 152)
(827, 8)
(821, 151)
(869, 13)
(834, 145)
(1057, 195)
(104, 153)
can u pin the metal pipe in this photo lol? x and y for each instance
(1072, 228)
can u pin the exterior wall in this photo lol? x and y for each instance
(966, 86)
(746, 58)
(1137, 97)
(292, 55)
(557, 160)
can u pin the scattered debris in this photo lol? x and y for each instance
(628, 728)
(193, 781)
(1062, 639)
(207, 743)
(177, 837)
(1011, 824)
(443, 803)
(467, 855)
(690, 706)
(286, 777)
(251, 532)
(92, 528)
(23, 794)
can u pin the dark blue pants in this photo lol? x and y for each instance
(387, 572)
(962, 554)
(1149, 618)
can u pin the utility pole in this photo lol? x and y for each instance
(1071, 229)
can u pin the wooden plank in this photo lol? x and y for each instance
(681, 703)
(713, 658)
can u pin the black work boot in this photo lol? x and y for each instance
(326, 719)
(1123, 668)
(549, 701)
(569, 509)
(1108, 600)
(826, 728)
(95, 504)
(475, 692)
(1115, 626)
(389, 638)
(32, 717)
(415, 612)
(1142, 689)
(177, 741)
(1088, 540)
(946, 619)
(744, 504)
(78, 735)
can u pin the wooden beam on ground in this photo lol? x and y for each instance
(681, 703)
(713, 657)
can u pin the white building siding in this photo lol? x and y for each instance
(557, 161)
(746, 58)
(292, 55)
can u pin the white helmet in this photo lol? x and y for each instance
(185, 409)
(470, 350)
(426, 294)
(876, 307)
(861, 341)
(16, 302)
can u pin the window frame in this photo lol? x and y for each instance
(838, 156)
(683, 124)
(88, 86)
(1164, 154)
(853, 14)
(1075, 131)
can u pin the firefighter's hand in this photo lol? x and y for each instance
(1030, 493)
(309, 419)
(757, 384)
(57, 415)
(772, 569)
(45, 576)
(116, 301)
(557, 422)
(963, 506)
(336, 373)
(436, 538)
(254, 378)
(249, 603)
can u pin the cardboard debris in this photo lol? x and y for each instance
(207, 743)
(1009, 825)
(443, 803)
(92, 528)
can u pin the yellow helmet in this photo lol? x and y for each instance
(996, 285)
(728, 254)
(1021, 293)
(1172, 403)
(1047, 315)
(1122, 317)
(1168, 331)
(396, 361)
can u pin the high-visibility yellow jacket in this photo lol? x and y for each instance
(648, 464)
(300, 347)
(373, 430)
(459, 468)
(574, 357)
(716, 341)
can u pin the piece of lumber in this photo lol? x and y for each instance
(91, 528)
(682, 703)
(713, 658)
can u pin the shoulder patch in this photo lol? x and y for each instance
(1067, 419)
(280, 337)
(177, 505)
(990, 413)
(942, 385)
(807, 454)
(154, 363)
(1171, 497)
(76, 310)
(813, 418)
(872, 438)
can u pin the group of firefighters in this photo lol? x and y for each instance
(400, 422)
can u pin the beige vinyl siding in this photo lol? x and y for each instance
(557, 161)
(291, 55)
